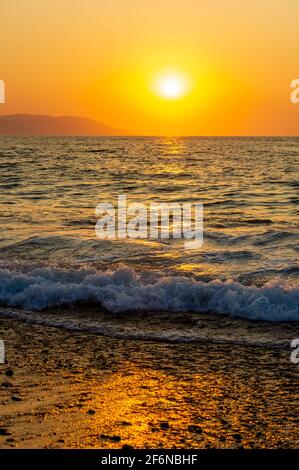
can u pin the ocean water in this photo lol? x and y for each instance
(53, 268)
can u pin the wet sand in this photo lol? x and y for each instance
(78, 390)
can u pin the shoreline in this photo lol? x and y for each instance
(79, 390)
(162, 326)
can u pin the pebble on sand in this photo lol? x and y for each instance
(164, 425)
(16, 398)
(195, 429)
(110, 438)
(6, 384)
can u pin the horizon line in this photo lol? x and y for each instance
(262, 136)
(129, 133)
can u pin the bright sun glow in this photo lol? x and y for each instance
(171, 87)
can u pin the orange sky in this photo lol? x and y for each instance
(100, 58)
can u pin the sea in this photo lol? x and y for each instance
(241, 285)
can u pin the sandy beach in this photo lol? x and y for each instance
(64, 389)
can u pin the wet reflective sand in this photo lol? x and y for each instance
(81, 390)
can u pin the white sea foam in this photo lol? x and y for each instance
(234, 335)
(123, 290)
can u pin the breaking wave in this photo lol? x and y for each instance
(122, 290)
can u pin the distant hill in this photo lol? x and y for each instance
(28, 124)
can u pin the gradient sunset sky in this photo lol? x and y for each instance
(103, 59)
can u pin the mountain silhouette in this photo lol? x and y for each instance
(31, 125)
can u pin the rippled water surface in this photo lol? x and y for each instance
(250, 191)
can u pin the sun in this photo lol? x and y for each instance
(171, 87)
